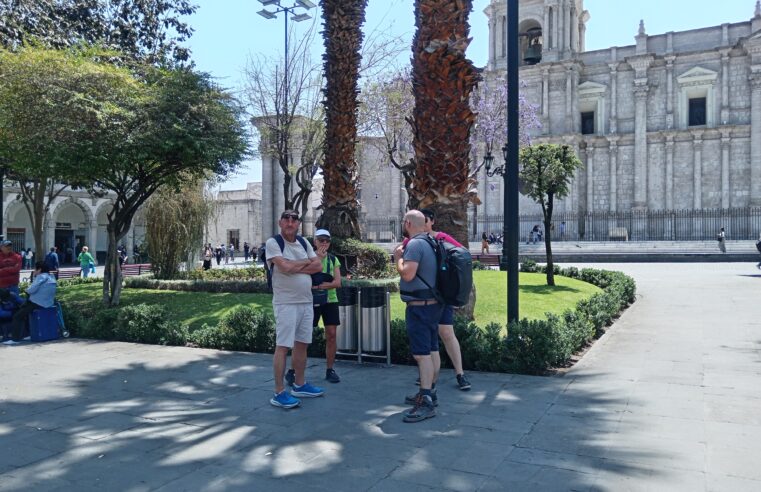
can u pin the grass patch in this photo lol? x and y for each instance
(197, 308)
(535, 296)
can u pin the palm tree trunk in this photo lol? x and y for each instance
(343, 21)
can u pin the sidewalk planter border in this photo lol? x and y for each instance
(528, 347)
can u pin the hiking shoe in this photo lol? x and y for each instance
(290, 377)
(27, 339)
(411, 399)
(462, 382)
(10, 342)
(307, 391)
(331, 376)
(422, 410)
(285, 400)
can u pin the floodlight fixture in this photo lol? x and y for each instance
(267, 14)
(301, 17)
(305, 4)
(269, 2)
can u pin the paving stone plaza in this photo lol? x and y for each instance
(668, 399)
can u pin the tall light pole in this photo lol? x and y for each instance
(509, 171)
(272, 14)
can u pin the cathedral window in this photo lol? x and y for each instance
(697, 116)
(588, 123)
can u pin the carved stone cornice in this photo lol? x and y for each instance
(640, 64)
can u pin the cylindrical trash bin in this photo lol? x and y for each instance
(348, 312)
(373, 319)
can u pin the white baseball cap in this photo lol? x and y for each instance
(321, 232)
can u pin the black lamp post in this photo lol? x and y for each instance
(509, 171)
(272, 14)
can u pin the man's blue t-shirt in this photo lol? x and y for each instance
(419, 251)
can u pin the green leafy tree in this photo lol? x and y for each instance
(50, 102)
(181, 128)
(149, 30)
(546, 173)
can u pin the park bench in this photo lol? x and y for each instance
(618, 234)
(135, 269)
(487, 260)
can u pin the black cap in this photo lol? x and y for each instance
(427, 212)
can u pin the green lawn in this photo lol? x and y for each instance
(197, 308)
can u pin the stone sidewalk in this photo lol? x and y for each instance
(668, 399)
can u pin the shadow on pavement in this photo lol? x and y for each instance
(83, 415)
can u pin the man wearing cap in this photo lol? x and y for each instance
(423, 312)
(292, 267)
(325, 305)
(10, 267)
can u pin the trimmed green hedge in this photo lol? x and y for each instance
(252, 286)
(529, 347)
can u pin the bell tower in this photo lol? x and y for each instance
(551, 30)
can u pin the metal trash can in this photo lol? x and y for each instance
(373, 319)
(348, 312)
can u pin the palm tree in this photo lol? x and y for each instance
(443, 79)
(342, 34)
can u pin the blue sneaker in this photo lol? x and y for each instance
(285, 400)
(307, 391)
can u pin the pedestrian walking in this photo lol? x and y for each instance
(28, 259)
(562, 231)
(246, 250)
(208, 254)
(52, 261)
(292, 261)
(223, 248)
(231, 252)
(758, 247)
(218, 255)
(721, 237)
(416, 265)
(484, 243)
(325, 301)
(86, 262)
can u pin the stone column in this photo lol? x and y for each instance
(725, 142)
(567, 28)
(670, 91)
(546, 28)
(556, 27)
(697, 171)
(492, 40)
(669, 172)
(755, 139)
(640, 144)
(49, 235)
(546, 98)
(613, 173)
(590, 178)
(573, 27)
(93, 237)
(613, 97)
(568, 99)
(724, 118)
(581, 195)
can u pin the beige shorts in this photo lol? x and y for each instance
(293, 322)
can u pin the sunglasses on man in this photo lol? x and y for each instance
(289, 216)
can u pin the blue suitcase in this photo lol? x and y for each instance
(43, 324)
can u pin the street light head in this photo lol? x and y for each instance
(266, 14)
(301, 17)
(269, 2)
(505, 152)
(488, 159)
(306, 4)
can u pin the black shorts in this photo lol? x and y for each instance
(329, 314)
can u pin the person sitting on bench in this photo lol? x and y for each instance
(41, 295)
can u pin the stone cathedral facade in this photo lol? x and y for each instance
(670, 122)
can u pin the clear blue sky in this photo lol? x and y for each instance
(228, 31)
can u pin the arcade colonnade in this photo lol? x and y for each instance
(75, 219)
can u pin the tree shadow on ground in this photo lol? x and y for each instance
(83, 415)
(547, 289)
